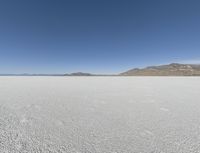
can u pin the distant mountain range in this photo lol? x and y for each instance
(173, 69)
(71, 74)
(67, 74)
(86, 74)
(79, 74)
(28, 74)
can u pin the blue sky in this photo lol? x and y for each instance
(98, 36)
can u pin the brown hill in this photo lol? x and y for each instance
(173, 69)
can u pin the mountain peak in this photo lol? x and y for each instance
(173, 69)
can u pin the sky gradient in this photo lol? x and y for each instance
(97, 36)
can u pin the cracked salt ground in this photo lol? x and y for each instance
(24, 120)
(164, 109)
(146, 133)
(99, 115)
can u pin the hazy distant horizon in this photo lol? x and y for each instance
(194, 62)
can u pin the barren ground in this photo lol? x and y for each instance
(99, 114)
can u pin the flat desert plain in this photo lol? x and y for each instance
(99, 114)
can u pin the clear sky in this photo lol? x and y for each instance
(98, 36)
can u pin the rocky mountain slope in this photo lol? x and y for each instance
(173, 69)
